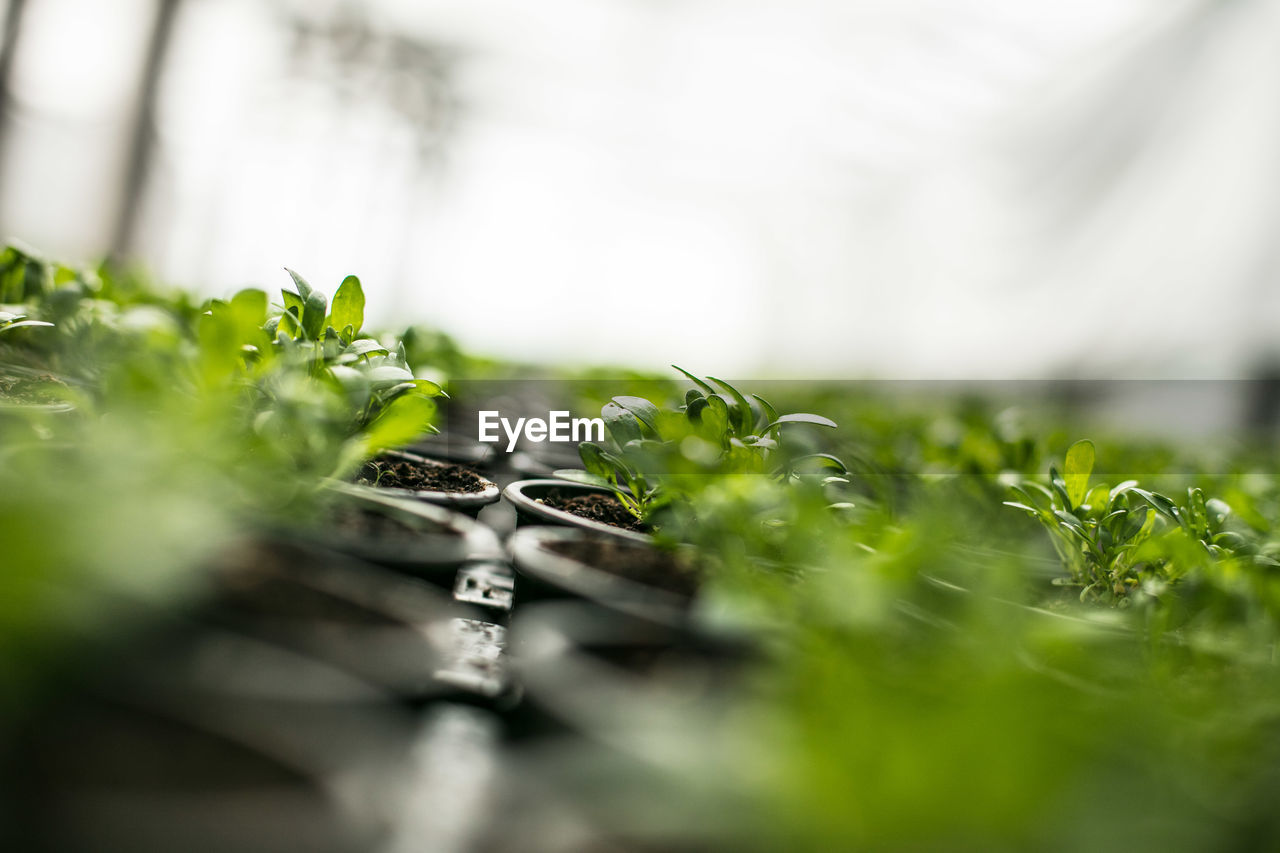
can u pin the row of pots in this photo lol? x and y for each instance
(346, 680)
(592, 657)
(322, 691)
(542, 548)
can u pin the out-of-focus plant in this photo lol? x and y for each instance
(23, 275)
(10, 322)
(193, 423)
(312, 378)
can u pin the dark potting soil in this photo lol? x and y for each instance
(36, 390)
(633, 561)
(420, 477)
(605, 509)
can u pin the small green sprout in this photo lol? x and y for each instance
(718, 430)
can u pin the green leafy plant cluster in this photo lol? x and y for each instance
(179, 423)
(652, 454)
(309, 367)
(1115, 540)
(23, 275)
(909, 688)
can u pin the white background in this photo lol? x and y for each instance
(915, 188)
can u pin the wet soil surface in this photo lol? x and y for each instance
(420, 477)
(633, 561)
(602, 508)
(37, 390)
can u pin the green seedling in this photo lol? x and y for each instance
(1114, 539)
(313, 373)
(392, 407)
(714, 432)
(23, 275)
(748, 430)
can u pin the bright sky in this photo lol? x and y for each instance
(803, 187)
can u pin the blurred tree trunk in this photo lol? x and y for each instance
(142, 131)
(8, 49)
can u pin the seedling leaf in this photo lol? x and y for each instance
(21, 323)
(313, 314)
(586, 478)
(1076, 470)
(292, 302)
(715, 418)
(706, 389)
(304, 289)
(406, 418)
(389, 374)
(249, 306)
(621, 423)
(645, 412)
(348, 307)
(746, 417)
(825, 460)
(770, 413)
(801, 418)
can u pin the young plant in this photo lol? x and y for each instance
(748, 430)
(23, 275)
(312, 374)
(626, 463)
(649, 451)
(1114, 540)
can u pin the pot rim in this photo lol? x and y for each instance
(597, 696)
(532, 558)
(488, 495)
(479, 541)
(515, 493)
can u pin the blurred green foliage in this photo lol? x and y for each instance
(180, 425)
(930, 676)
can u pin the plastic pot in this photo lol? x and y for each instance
(206, 740)
(382, 627)
(468, 502)
(543, 573)
(26, 403)
(409, 536)
(615, 678)
(542, 461)
(527, 496)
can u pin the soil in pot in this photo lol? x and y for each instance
(605, 509)
(648, 566)
(33, 390)
(391, 473)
